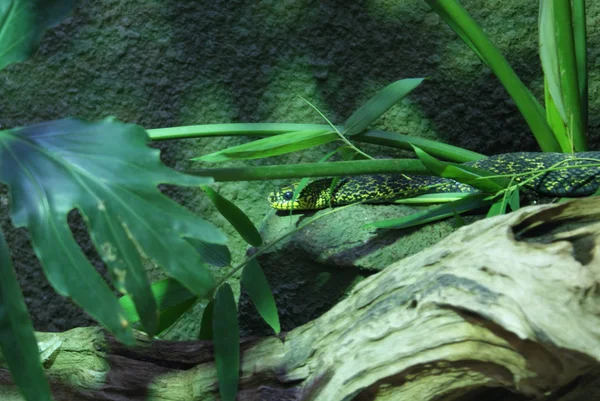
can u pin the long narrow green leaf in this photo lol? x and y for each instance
(17, 341)
(568, 73)
(466, 174)
(580, 35)
(226, 340)
(256, 285)
(273, 146)
(471, 202)
(456, 16)
(22, 23)
(379, 104)
(206, 326)
(549, 58)
(395, 140)
(559, 127)
(235, 216)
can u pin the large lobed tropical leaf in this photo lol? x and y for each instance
(22, 23)
(107, 172)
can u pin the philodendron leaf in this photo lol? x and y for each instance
(17, 341)
(22, 23)
(379, 104)
(226, 340)
(106, 171)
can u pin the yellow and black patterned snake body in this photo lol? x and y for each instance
(527, 167)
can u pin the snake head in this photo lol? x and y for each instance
(315, 195)
(282, 199)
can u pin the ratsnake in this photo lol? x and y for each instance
(530, 166)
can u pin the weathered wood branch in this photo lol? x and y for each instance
(504, 309)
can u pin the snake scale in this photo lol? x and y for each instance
(563, 180)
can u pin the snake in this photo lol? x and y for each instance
(543, 173)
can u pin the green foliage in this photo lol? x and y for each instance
(273, 146)
(256, 285)
(476, 177)
(22, 23)
(171, 298)
(107, 172)
(562, 127)
(17, 342)
(379, 104)
(238, 219)
(206, 326)
(226, 340)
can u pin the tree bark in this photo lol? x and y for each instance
(505, 309)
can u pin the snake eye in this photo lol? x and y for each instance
(288, 195)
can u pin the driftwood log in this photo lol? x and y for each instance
(505, 309)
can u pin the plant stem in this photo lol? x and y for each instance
(356, 167)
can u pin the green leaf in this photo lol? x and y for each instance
(549, 56)
(172, 298)
(226, 340)
(214, 254)
(567, 64)
(379, 104)
(273, 146)
(433, 198)
(471, 202)
(17, 341)
(22, 23)
(109, 173)
(465, 174)
(238, 219)
(206, 326)
(459, 19)
(514, 199)
(509, 198)
(497, 208)
(256, 285)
